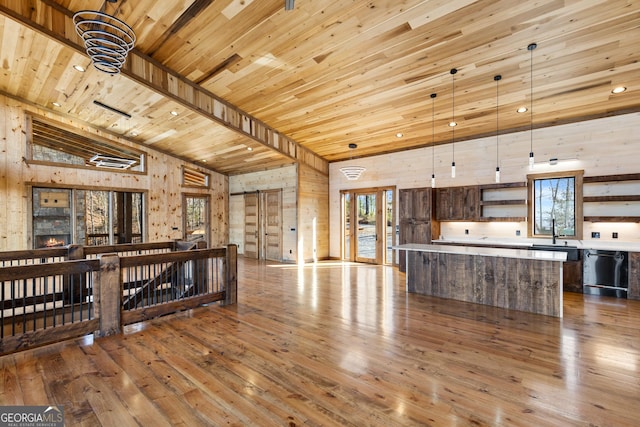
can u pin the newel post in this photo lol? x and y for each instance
(231, 275)
(107, 296)
(75, 252)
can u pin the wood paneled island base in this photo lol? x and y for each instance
(524, 280)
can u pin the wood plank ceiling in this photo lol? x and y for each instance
(327, 73)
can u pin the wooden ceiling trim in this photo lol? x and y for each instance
(156, 77)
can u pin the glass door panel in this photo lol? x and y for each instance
(346, 241)
(389, 228)
(366, 230)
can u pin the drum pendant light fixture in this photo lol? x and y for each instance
(107, 39)
(497, 78)
(530, 48)
(453, 123)
(352, 173)
(433, 141)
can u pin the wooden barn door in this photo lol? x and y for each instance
(272, 225)
(251, 225)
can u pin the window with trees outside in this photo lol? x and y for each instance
(555, 204)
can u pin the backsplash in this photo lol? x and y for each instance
(627, 232)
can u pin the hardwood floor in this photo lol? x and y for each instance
(343, 344)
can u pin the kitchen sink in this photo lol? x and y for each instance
(572, 251)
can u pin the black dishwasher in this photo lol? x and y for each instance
(605, 273)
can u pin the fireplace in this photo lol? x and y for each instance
(52, 215)
(52, 240)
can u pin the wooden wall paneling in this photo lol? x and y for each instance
(584, 141)
(284, 178)
(15, 203)
(313, 212)
(220, 212)
(161, 184)
(236, 221)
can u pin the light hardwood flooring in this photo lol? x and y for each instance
(338, 344)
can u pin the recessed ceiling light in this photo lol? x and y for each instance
(522, 110)
(56, 104)
(399, 135)
(249, 149)
(618, 89)
(204, 160)
(134, 133)
(79, 68)
(174, 113)
(452, 124)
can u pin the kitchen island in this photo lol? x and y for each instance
(518, 279)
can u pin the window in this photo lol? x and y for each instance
(194, 178)
(55, 143)
(555, 200)
(111, 217)
(86, 217)
(196, 217)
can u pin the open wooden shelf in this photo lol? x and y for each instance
(621, 198)
(502, 202)
(502, 218)
(612, 218)
(611, 178)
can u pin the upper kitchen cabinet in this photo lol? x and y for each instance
(457, 203)
(415, 213)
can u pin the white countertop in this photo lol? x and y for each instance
(580, 244)
(485, 251)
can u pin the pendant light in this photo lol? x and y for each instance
(530, 48)
(433, 140)
(453, 122)
(107, 39)
(497, 78)
(352, 173)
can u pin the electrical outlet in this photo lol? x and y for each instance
(614, 235)
(517, 232)
(595, 234)
(466, 231)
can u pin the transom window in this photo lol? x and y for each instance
(60, 144)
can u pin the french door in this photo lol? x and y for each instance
(367, 218)
(251, 224)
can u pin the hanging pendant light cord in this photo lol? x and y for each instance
(433, 133)
(497, 79)
(453, 114)
(531, 47)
